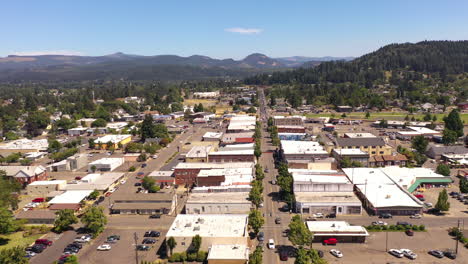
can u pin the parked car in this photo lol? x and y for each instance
(261, 236)
(152, 233)
(148, 241)
(76, 244)
(380, 223)
(142, 247)
(408, 253)
(38, 200)
(429, 205)
(155, 216)
(271, 244)
(29, 254)
(45, 242)
(450, 254)
(409, 232)
(385, 216)
(395, 252)
(277, 220)
(336, 253)
(266, 170)
(436, 253)
(283, 255)
(318, 215)
(416, 216)
(332, 215)
(38, 248)
(330, 241)
(144, 165)
(139, 174)
(404, 223)
(104, 247)
(137, 184)
(83, 239)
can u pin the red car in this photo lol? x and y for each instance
(419, 196)
(330, 241)
(45, 242)
(38, 200)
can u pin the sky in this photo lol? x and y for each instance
(225, 29)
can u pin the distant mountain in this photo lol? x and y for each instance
(297, 61)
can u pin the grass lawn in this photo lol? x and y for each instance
(386, 115)
(17, 239)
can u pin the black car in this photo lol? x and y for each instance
(385, 216)
(148, 241)
(137, 184)
(143, 165)
(142, 247)
(454, 194)
(71, 249)
(404, 224)
(38, 248)
(450, 254)
(278, 221)
(283, 255)
(261, 236)
(331, 215)
(436, 253)
(152, 234)
(75, 244)
(155, 216)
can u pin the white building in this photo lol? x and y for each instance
(106, 164)
(97, 181)
(302, 150)
(70, 197)
(212, 136)
(232, 254)
(42, 188)
(214, 229)
(77, 131)
(341, 230)
(114, 139)
(218, 203)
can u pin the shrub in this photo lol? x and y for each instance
(392, 227)
(132, 168)
(400, 227)
(384, 227)
(415, 228)
(201, 256)
(192, 256)
(422, 228)
(454, 231)
(183, 256)
(175, 257)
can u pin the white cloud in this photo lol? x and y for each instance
(47, 52)
(244, 31)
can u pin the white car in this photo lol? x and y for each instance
(416, 216)
(408, 253)
(271, 244)
(83, 239)
(104, 247)
(112, 190)
(123, 181)
(381, 223)
(395, 252)
(336, 253)
(318, 215)
(154, 156)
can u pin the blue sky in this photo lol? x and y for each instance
(225, 29)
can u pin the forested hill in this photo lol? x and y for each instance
(431, 57)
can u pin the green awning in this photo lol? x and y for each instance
(418, 182)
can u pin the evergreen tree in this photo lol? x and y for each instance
(463, 185)
(419, 143)
(453, 122)
(171, 244)
(443, 169)
(442, 201)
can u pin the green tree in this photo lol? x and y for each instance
(272, 100)
(171, 244)
(8, 188)
(14, 255)
(94, 195)
(36, 122)
(454, 122)
(54, 146)
(442, 201)
(142, 157)
(133, 147)
(94, 220)
(419, 143)
(72, 259)
(91, 143)
(65, 218)
(449, 137)
(256, 257)
(256, 193)
(443, 169)
(65, 123)
(302, 257)
(427, 117)
(7, 222)
(196, 244)
(148, 184)
(367, 115)
(177, 107)
(147, 128)
(256, 220)
(102, 113)
(299, 234)
(100, 122)
(463, 185)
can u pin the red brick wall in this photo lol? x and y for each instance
(186, 176)
(231, 158)
(210, 181)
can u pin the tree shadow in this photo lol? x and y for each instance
(4, 241)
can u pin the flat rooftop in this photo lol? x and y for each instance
(228, 252)
(234, 225)
(24, 143)
(350, 152)
(335, 228)
(107, 161)
(198, 152)
(213, 135)
(112, 138)
(213, 165)
(302, 147)
(54, 182)
(70, 197)
(327, 197)
(218, 197)
(360, 135)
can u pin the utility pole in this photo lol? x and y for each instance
(135, 236)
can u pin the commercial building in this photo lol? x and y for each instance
(186, 173)
(288, 120)
(77, 131)
(218, 203)
(115, 141)
(214, 229)
(383, 193)
(212, 136)
(198, 154)
(395, 159)
(43, 188)
(24, 145)
(144, 203)
(291, 129)
(68, 200)
(232, 155)
(326, 192)
(224, 177)
(354, 155)
(206, 95)
(97, 181)
(241, 123)
(163, 178)
(37, 217)
(292, 136)
(359, 135)
(237, 138)
(302, 150)
(72, 163)
(436, 151)
(25, 174)
(315, 164)
(341, 230)
(373, 146)
(228, 254)
(105, 164)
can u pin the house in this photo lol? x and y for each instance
(186, 173)
(354, 155)
(326, 192)
(115, 141)
(37, 217)
(77, 131)
(198, 154)
(25, 174)
(218, 203)
(436, 151)
(86, 122)
(43, 188)
(302, 150)
(395, 159)
(373, 146)
(105, 164)
(232, 254)
(288, 120)
(463, 106)
(341, 230)
(144, 203)
(214, 229)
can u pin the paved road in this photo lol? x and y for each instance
(54, 252)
